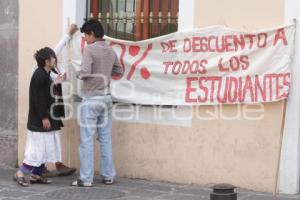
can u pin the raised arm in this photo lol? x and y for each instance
(62, 43)
(58, 49)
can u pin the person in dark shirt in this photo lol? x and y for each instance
(43, 128)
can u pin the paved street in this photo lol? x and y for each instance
(124, 189)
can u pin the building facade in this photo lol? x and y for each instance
(215, 148)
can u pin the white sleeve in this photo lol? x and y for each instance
(34, 68)
(61, 70)
(53, 75)
(59, 47)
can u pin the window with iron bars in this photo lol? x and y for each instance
(135, 19)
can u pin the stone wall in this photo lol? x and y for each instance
(8, 81)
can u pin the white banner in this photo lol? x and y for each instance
(208, 66)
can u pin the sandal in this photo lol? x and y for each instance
(35, 179)
(21, 180)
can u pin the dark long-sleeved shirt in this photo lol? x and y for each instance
(40, 101)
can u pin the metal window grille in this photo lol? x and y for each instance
(135, 19)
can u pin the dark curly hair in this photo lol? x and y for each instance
(44, 54)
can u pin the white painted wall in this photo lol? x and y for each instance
(186, 14)
(290, 154)
(73, 12)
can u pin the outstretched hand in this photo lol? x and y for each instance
(60, 78)
(72, 29)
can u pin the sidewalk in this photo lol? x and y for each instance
(123, 189)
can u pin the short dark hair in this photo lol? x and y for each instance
(44, 54)
(93, 25)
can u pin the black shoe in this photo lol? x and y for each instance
(108, 181)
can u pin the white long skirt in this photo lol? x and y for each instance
(42, 147)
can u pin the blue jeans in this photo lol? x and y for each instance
(96, 117)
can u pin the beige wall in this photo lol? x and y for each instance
(240, 152)
(240, 14)
(257, 168)
(39, 26)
